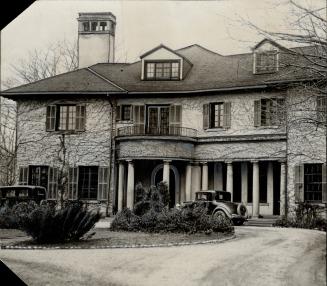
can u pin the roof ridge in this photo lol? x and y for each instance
(105, 79)
(197, 45)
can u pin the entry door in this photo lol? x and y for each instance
(158, 120)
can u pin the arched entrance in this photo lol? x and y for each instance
(156, 177)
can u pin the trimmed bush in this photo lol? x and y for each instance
(306, 216)
(46, 224)
(151, 214)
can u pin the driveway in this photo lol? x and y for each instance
(258, 256)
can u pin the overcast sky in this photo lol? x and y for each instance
(142, 25)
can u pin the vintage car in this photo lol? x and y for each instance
(20, 193)
(219, 203)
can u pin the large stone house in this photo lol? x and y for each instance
(190, 117)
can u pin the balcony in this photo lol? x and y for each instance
(169, 131)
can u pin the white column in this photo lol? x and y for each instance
(282, 188)
(130, 185)
(255, 196)
(188, 182)
(229, 182)
(166, 170)
(244, 182)
(121, 171)
(270, 186)
(204, 176)
(218, 176)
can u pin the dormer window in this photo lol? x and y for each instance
(162, 70)
(266, 62)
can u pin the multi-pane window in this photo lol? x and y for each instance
(66, 117)
(88, 182)
(313, 182)
(266, 62)
(162, 70)
(126, 112)
(321, 109)
(94, 26)
(217, 115)
(269, 112)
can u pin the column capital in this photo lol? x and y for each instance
(283, 161)
(130, 161)
(167, 161)
(254, 161)
(229, 162)
(204, 162)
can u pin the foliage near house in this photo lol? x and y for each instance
(151, 214)
(306, 216)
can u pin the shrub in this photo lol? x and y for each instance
(46, 224)
(11, 217)
(306, 216)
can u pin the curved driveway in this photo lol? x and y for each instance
(258, 256)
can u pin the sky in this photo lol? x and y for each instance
(142, 25)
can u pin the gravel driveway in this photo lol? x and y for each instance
(258, 256)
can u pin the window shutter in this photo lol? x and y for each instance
(80, 117)
(321, 109)
(138, 119)
(118, 113)
(299, 183)
(227, 115)
(206, 116)
(324, 183)
(52, 183)
(257, 113)
(51, 118)
(72, 183)
(175, 119)
(23, 176)
(103, 184)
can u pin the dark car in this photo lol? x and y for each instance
(219, 203)
(17, 194)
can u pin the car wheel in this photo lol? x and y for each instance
(220, 214)
(238, 222)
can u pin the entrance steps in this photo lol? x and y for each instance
(267, 221)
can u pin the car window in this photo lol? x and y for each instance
(23, 193)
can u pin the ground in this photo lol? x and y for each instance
(258, 256)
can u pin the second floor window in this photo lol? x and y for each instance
(269, 112)
(65, 118)
(217, 115)
(124, 112)
(168, 70)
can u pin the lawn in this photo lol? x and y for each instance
(106, 238)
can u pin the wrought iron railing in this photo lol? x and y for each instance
(168, 131)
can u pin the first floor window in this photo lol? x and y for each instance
(88, 182)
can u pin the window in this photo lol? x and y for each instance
(217, 115)
(124, 113)
(321, 109)
(23, 176)
(94, 26)
(162, 70)
(312, 182)
(265, 62)
(86, 26)
(103, 26)
(269, 112)
(88, 182)
(65, 118)
(38, 176)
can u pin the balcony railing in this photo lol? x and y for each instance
(168, 131)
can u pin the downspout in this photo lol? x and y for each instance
(111, 157)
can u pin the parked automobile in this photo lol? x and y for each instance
(20, 193)
(219, 203)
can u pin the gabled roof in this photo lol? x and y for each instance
(266, 40)
(210, 72)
